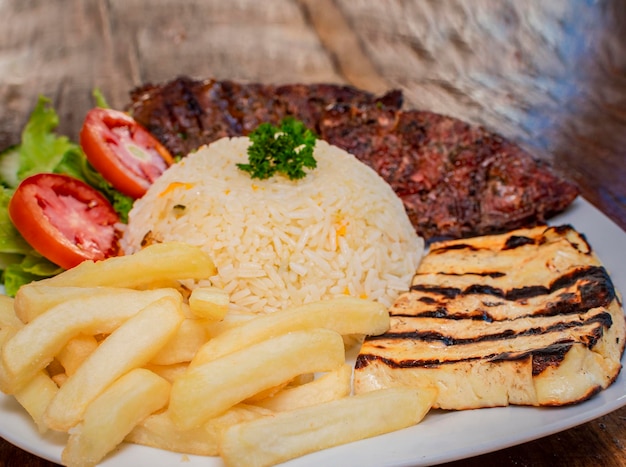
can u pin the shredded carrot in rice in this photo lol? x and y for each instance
(174, 186)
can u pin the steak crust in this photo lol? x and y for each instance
(456, 180)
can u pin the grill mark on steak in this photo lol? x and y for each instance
(455, 180)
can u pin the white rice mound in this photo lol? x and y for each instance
(276, 242)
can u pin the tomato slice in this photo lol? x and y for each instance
(64, 219)
(123, 151)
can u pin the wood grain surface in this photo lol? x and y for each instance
(550, 75)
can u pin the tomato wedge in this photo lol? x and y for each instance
(123, 151)
(64, 219)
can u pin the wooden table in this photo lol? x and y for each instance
(548, 75)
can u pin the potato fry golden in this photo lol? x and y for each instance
(142, 356)
(345, 315)
(33, 300)
(59, 379)
(265, 393)
(271, 440)
(7, 313)
(35, 344)
(330, 386)
(168, 372)
(157, 263)
(231, 320)
(239, 413)
(209, 303)
(130, 346)
(209, 389)
(190, 336)
(35, 397)
(159, 431)
(76, 351)
(113, 414)
(36, 394)
(7, 383)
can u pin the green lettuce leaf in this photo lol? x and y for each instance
(75, 164)
(100, 99)
(11, 241)
(42, 150)
(19, 262)
(31, 268)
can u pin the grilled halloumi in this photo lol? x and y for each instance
(530, 317)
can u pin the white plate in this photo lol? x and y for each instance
(440, 437)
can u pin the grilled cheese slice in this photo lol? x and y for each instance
(530, 317)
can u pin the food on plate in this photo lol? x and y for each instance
(267, 441)
(278, 242)
(42, 151)
(124, 358)
(123, 151)
(162, 264)
(332, 385)
(345, 315)
(455, 180)
(64, 219)
(185, 114)
(250, 266)
(114, 413)
(529, 317)
(209, 302)
(244, 373)
(286, 149)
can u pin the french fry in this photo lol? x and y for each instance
(209, 303)
(271, 440)
(33, 300)
(264, 394)
(159, 431)
(7, 383)
(76, 351)
(59, 379)
(36, 394)
(239, 413)
(35, 397)
(231, 320)
(330, 386)
(156, 263)
(168, 372)
(189, 337)
(130, 346)
(209, 389)
(174, 368)
(55, 368)
(35, 344)
(345, 315)
(113, 414)
(301, 379)
(9, 325)
(7, 313)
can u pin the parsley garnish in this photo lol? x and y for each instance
(286, 149)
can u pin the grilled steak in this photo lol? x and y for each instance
(456, 180)
(185, 114)
(528, 318)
